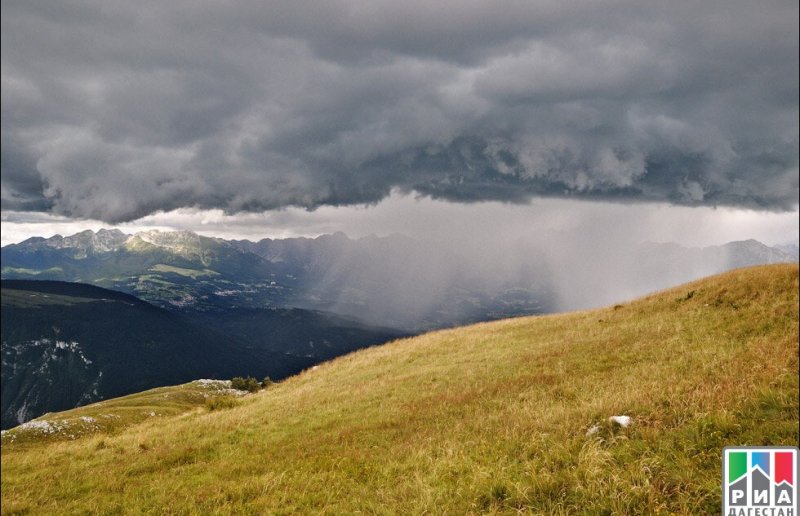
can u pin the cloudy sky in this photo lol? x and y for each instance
(677, 120)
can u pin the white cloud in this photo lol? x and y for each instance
(425, 218)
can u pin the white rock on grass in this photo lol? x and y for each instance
(593, 430)
(47, 427)
(623, 421)
(219, 384)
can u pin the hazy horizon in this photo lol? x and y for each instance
(569, 263)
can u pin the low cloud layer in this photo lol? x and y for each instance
(114, 110)
(452, 224)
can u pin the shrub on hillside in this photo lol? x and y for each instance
(245, 384)
(266, 382)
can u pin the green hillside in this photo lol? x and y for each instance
(503, 417)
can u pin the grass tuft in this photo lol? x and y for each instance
(221, 403)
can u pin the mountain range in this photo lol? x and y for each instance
(392, 281)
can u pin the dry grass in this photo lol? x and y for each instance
(490, 418)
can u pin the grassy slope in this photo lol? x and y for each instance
(491, 417)
(116, 414)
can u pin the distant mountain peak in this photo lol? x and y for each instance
(338, 236)
(749, 242)
(182, 243)
(114, 232)
(84, 242)
(169, 238)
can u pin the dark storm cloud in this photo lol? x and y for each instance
(113, 110)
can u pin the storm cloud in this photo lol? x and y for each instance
(116, 110)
